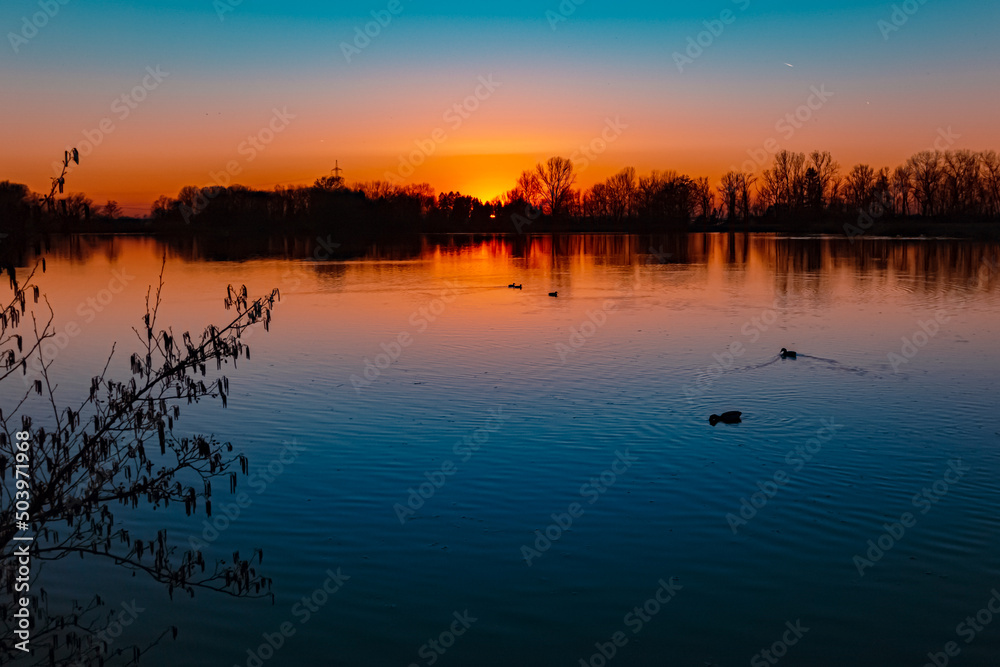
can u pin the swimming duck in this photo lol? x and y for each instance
(521, 286)
(553, 293)
(732, 417)
(787, 354)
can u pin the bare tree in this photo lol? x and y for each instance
(767, 192)
(329, 183)
(962, 183)
(990, 168)
(882, 192)
(925, 169)
(900, 190)
(422, 194)
(556, 178)
(785, 181)
(163, 207)
(705, 198)
(730, 190)
(115, 447)
(837, 188)
(378, 190)
(112, 210)
(621, 191)
(745, 183)
(860, 186)
(573, 203)
(528, 189)
(826, 172)
(666, 197)
(597, 201)
(648, 190)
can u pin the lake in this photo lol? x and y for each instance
(447, 471)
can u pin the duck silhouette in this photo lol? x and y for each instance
(732, 417)
(788, 354)
(518, 286)
(553, 293)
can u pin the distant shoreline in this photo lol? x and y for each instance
(913, 227)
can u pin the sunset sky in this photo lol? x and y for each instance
(231, 70)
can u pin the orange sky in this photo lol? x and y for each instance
(524, 93)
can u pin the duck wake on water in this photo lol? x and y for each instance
(822, 362)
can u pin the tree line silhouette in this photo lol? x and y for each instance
(796, 192)
(115, 449)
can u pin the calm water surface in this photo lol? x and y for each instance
(591, 407)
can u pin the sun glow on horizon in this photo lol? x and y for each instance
(555, 92)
